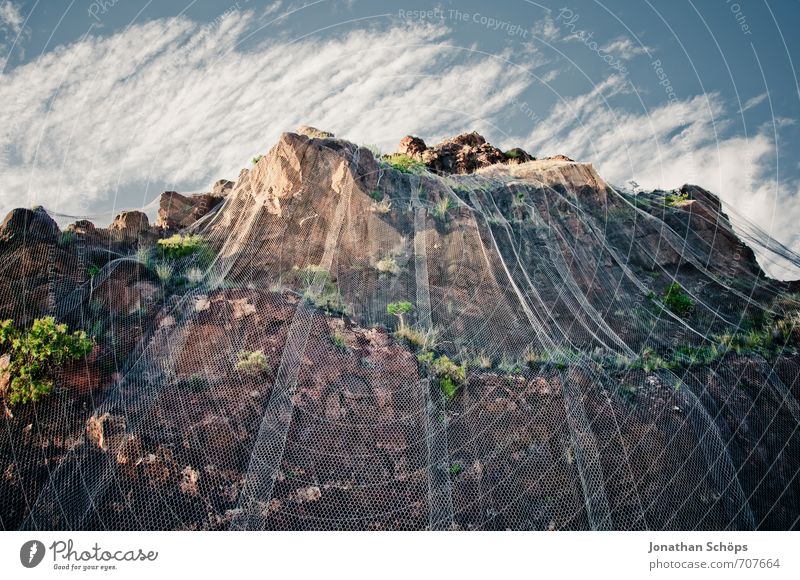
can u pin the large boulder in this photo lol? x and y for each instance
(129, 224)
(22, 224)
(178, 211)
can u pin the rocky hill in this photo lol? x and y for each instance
(447, 337)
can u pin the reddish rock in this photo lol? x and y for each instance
(28, 224)
(178, 211)
(412, 146)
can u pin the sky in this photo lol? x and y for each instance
(104, 104)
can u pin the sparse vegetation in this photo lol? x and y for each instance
(405, 164)
(441, 209)
(399, 310)
(377, 195)
(677, 300)
(676, 199)
(417, 339)
(93, 270)
(256, 159)
(320, 289)
(35, 354)
(482, 361)
(456, 468)
(252, 362)
(382, 207)
(164, 271)
(180, 246)
(338, 340)
(388, 265)
(450, 376)
(511, 154)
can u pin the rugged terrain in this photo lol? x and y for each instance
(617, 359)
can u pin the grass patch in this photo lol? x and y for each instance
(676, 299)
(388, 265)
(252, 363)
(405, 164)
(441, 211)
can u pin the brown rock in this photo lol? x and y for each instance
(178, 211)
(222, 187)
(27, 224)
(412, 146)
(130, 224)
(313, 132)
(106, 431)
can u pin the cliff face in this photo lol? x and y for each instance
(624, 361)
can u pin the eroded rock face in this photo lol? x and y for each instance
(222, 187)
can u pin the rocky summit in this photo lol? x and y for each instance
(444, 337)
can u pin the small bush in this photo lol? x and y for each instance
(164, 271)
(417, 339)
(405, 164)
(388, 265)
(382, 207)
(676, 300)
(511, 154)
(482, 361)
(441, 209)
(93, 270)
(377, 195)
(180, 246)
(35, 354)
(449, 375)
(676, 199)
(252, 362)
(194, 276)
(338, 340)
(256, 159)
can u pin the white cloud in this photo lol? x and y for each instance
(753, 102)
(11, 28)
(624, 49)
(175, 104)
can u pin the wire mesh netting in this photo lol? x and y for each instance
(344, 345)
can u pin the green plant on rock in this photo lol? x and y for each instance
(180, 246)
(256, 159)
(35, 354)
(252, 362)
(164, 271)
(677, 300)
(441, 209)
(449, 375)
(405, 164)
(399, 310)
(676, 199)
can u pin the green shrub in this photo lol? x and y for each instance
(377, 195)
(256, 159)
(456, 468)
(676, 300)
(676, 199)
(35, 354)
(252, 362)
(180, 246)
(441, 209)
(93, 270)
(400, 309)
(511, 154)
(449, 375)
(405, 164)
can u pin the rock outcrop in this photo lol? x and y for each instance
(28, 224)
(178, 211)
(463, 154)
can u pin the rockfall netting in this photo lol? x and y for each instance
(625, 362)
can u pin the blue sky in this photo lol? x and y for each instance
(106, 104)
